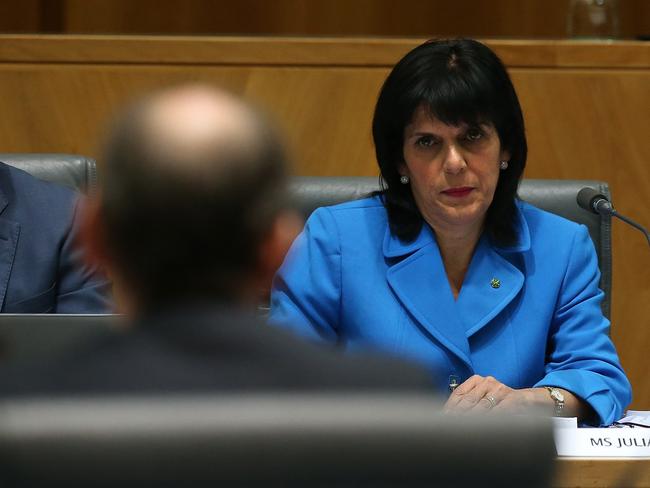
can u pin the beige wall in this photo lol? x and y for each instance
(586, 108)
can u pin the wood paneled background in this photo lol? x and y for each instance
(422, 18)
(586, 107)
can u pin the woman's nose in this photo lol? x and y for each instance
(454, 161)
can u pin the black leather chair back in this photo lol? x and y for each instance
(557, 196)
(71, 170)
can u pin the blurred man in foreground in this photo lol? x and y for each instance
(191, 223)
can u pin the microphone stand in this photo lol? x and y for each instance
(631, 222)
(592, 201)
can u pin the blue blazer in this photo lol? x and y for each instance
(41, 268)
(349, 280)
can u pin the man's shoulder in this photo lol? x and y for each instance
(224, 352)
(292, 362)
(40, 207)
(21, 188)
(325, 366)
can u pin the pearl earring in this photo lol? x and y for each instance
(503, 165)
(404, 180)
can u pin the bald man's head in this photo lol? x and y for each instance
(196, 130)
(194, 178)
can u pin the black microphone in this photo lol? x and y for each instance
(597, 203)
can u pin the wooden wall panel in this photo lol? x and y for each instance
(585, 107)
(429, 18)
(63, 108)
(422, 18)
(24, 16)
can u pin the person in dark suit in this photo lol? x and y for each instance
(42, 269)
(191, 222)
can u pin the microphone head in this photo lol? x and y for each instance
(585, 198)
(590, 200)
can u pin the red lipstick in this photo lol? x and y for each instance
(458, 192)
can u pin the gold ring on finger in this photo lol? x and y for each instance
(492, 400)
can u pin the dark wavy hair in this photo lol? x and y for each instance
(460, 81)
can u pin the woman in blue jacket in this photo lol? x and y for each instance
(445, 266)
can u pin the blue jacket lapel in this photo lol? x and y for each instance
(490, 284)
(492, 280)
(9, 231)
(420, 283)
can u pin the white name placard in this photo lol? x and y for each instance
(603, 442)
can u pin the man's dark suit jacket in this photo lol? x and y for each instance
(220, 350)
(41, 267)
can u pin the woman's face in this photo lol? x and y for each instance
(453, 171)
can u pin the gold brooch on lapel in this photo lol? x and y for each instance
(495, 283)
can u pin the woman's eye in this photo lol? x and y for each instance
(473, 135)
(425, 141)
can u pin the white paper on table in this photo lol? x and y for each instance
(565, 423)
(636, 417)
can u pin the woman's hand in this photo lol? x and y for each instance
(486, 394)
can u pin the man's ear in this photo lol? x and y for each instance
(92, 234)
(274, 247)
